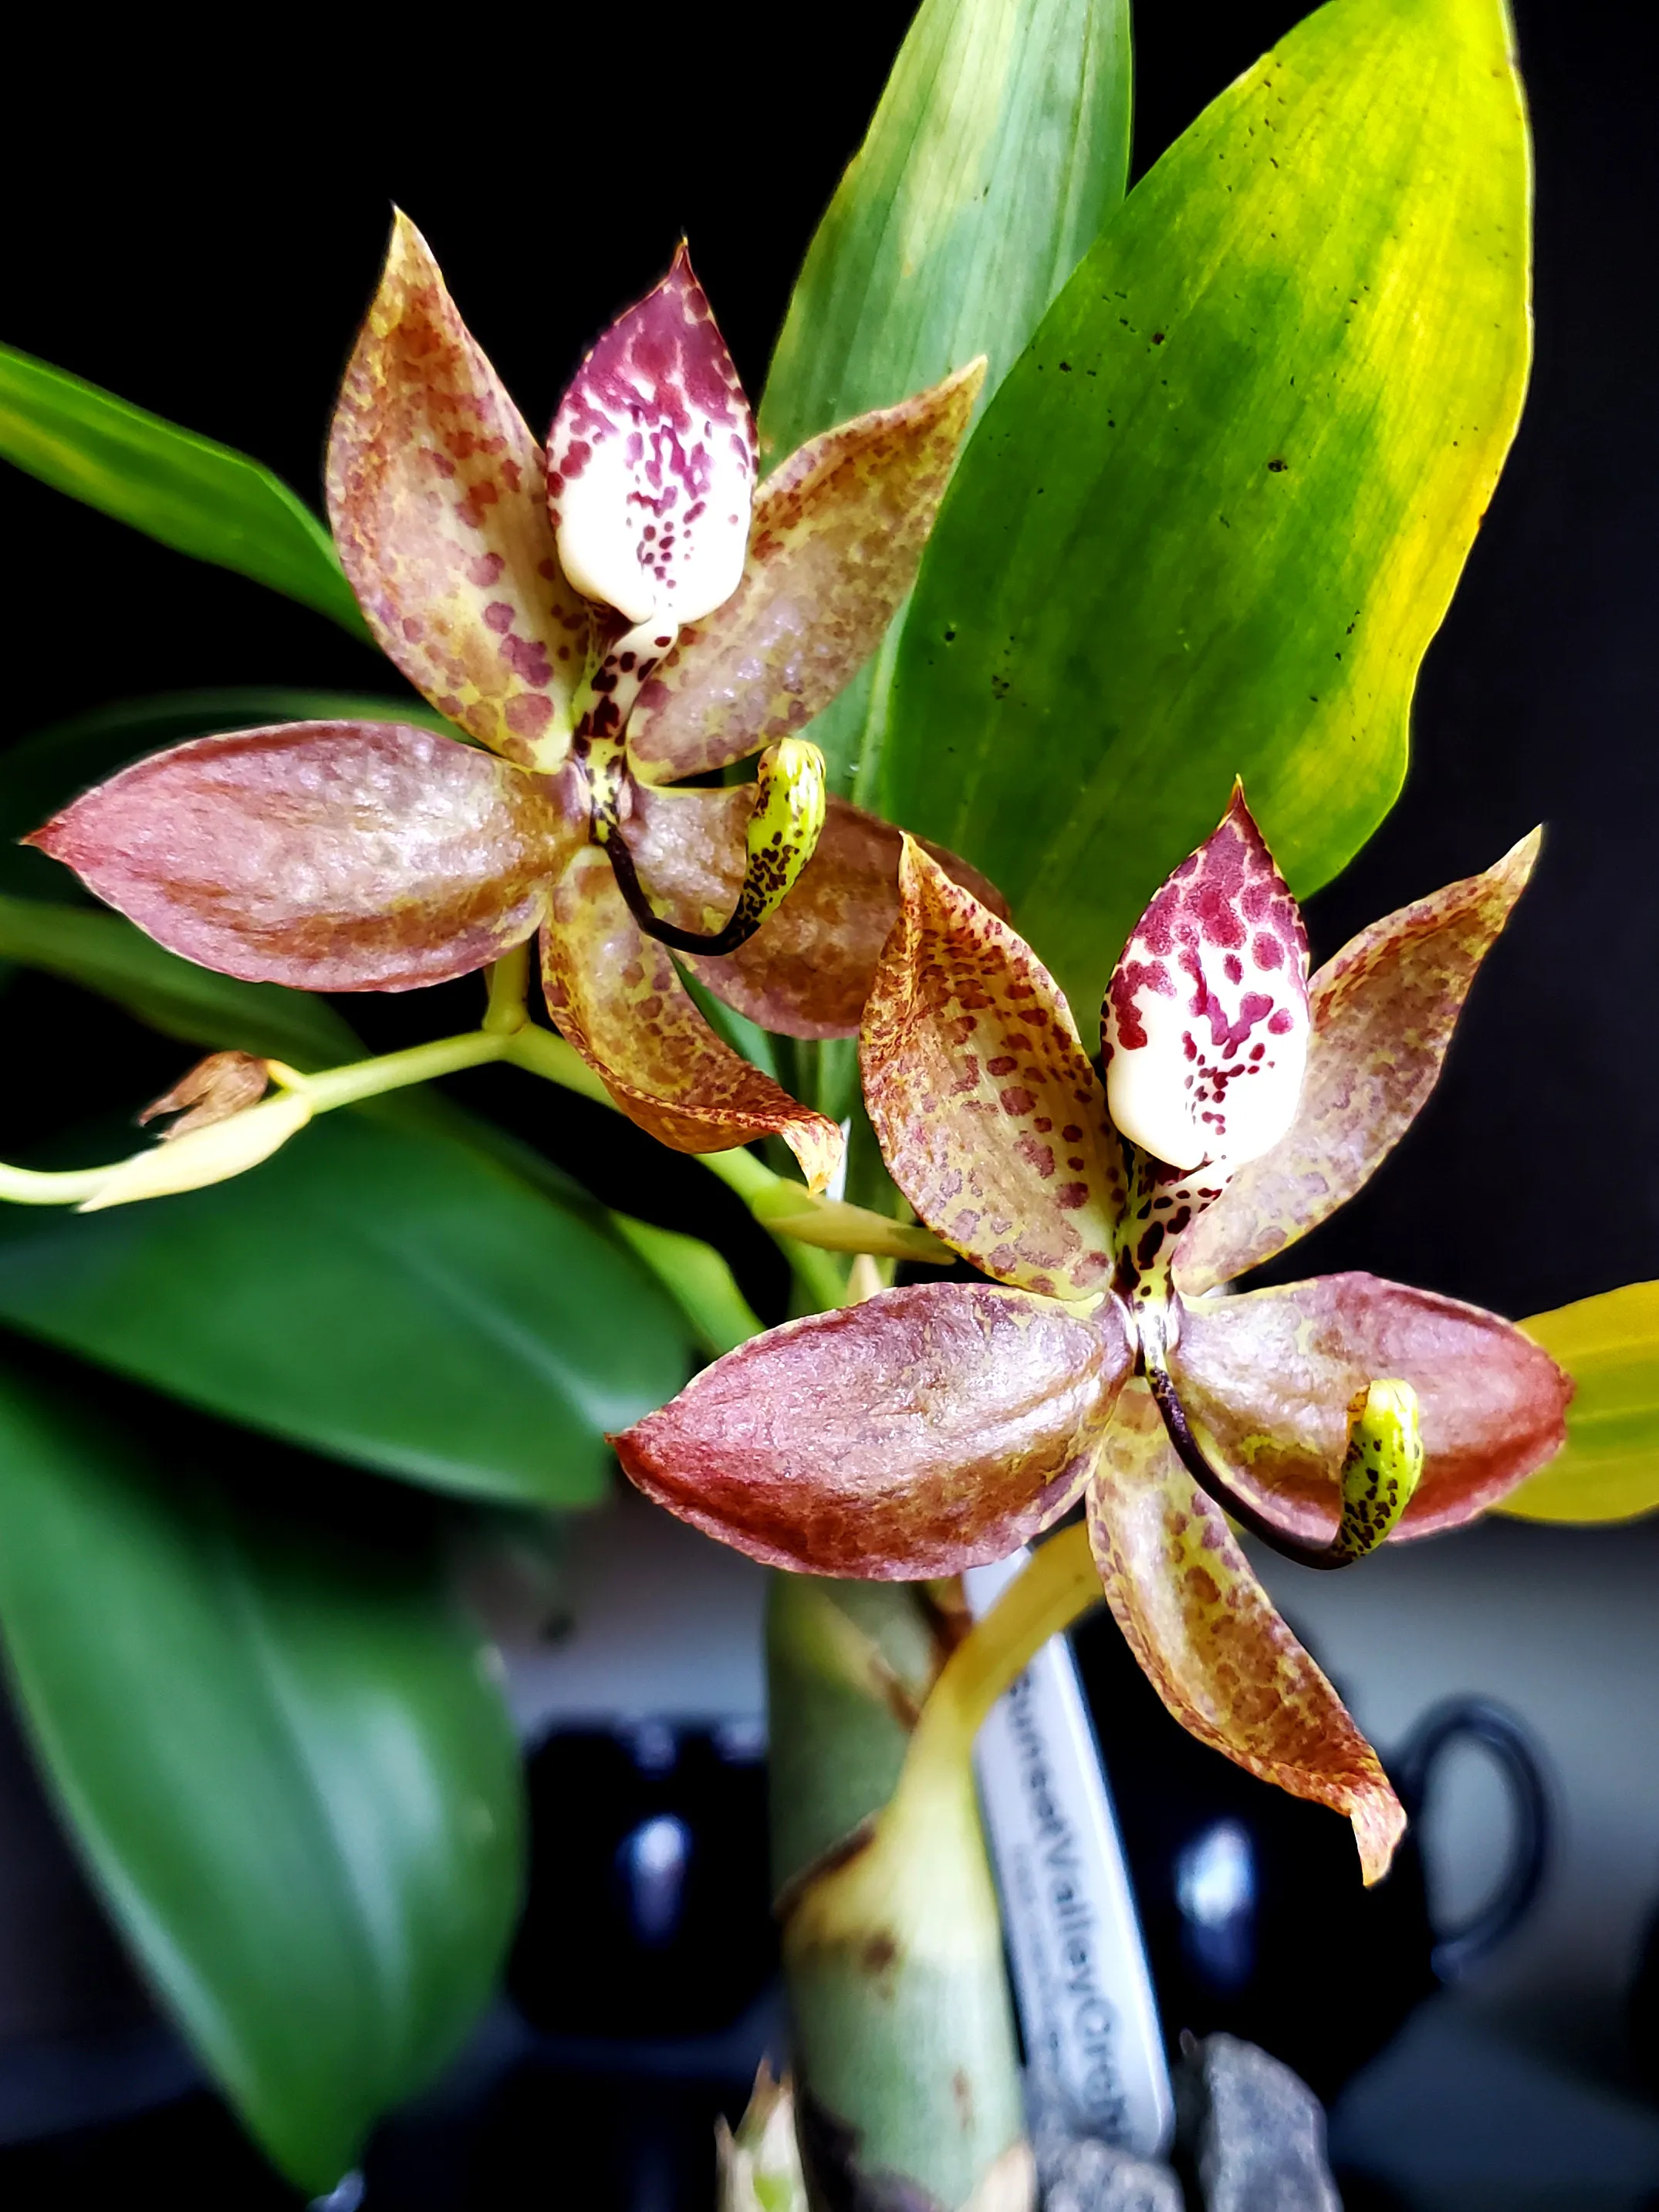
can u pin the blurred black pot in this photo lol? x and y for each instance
(649, 1910)
(1255, 1918)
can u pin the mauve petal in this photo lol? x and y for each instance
(435, 492)
(989, 1114)
(616, 996)
(807, 970)
(1383, 1013)
(837, 536)
(1207, 1637)
(329, 856)
(1266, 1381)
(922, 1431)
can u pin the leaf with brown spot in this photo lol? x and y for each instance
(989, 1114)
(1207, 1637)
(807, 970)
(436, 493)
(1383, 1013)
(618, 999)
(1266, 1381)
(329, 856)
(924, 1431)
(837, 534)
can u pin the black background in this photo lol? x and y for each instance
(199, 228)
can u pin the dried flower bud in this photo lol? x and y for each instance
(223, 1084)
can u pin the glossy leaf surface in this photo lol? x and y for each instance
(1000, 146)
(200, 498)
(989, 1116)
(923, 1432)
(434, 486)
(1609, 1467)
(616, 996)
(1214, 514)
(1266, 1381)
(283, 1761)
(335, 856)
(1207, 1637)
(382, 1293)
(838, 531)
(106, 953)
(1383, 1013)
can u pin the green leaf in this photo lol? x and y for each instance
(697, 1278)
(106, 953)
(380, 1290)
(196, 497)
(1608, 1469)
(283, 1760)
(1215, 513)
(45, 770)
(1000, 146)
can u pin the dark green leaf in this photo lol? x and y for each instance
(1215, 513)
(198, 497)
(284, 1762)
(106, 953)
(381, 1291)
(1000, 146)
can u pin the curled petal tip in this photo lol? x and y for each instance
(1206, 1025)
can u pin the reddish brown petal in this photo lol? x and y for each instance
(618, 996)
(807, 971)
(331, 856)
(838, 532)
(1266, 1381)
(651, 460)
(987, 1112)
(435, 492)
(1383, 1013)
(923, 1432)
(1205, 1029)
(1209, 1641)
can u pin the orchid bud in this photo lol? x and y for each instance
(1381, 1467)
(212, 1154)
(1205, 1029)
(651, 461)
(783, 829)
(223, 1084)
(759, 2167)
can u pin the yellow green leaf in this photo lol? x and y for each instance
(1216, 510)
(1609, 1470)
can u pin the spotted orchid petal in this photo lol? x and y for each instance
(1383, 1013)
(1209, 1640)
(436, 493)
(987, 1112)
(1204, 1031)
(651, 460)
(807, 971)
(922, 1431)
(837, 535)
(329, 856)
(615, 996)
(1266, 1381)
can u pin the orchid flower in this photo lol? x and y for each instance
(621, 613)
(935, 1427)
